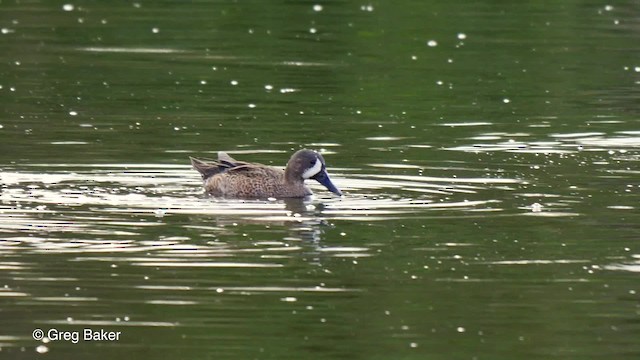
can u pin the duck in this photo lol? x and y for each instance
(230, 178)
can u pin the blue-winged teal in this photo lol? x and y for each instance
(230, 178)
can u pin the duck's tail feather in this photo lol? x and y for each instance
(207, 169)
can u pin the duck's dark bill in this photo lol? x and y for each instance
(323, 178)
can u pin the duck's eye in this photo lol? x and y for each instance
(312, 162)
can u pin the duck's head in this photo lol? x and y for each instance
(308, 164)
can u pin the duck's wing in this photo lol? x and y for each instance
(208, 168)
(224, 158)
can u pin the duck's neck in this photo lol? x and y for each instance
(290, 177)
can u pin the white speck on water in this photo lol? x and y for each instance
(42, 349)
(160, 212)
(1, 126)
(73, 113)
(268, 87)
(460, 329)
(413, 345)
(234, 82)
(432, 43)
(313, 30)
(289, 299)
(317, 7)
(462, 36)
(251, 106)
(155, 30)
(219, 290)
(636, 69)
(6, 30)
(203, 82)
(68, 7)
(413, 57)
(368, 8)
(439, 82)
(608, 7)
(506, 101)
(535, 207)
(343, 234)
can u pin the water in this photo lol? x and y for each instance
(488, 154)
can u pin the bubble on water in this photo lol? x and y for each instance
(317, 7)
(203, 82)
(73, 113)
(506, 100)
(68, 7)
(608, 7)
(234, 82)
(251, 106)
(413, 345)
(6, 30)
(268, 87)
(636, 69)
(413, 57)
(42, 349)
(161, 212)
(536, 207)
(313, 30)
(368, 8)
(219, 290)
(462, 36)
(155, 30)
(460, 329)
(289, 299)
(432, 43)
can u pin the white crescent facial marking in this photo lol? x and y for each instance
(312, 171)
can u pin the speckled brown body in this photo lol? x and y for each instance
(230, 178)
(256, 182)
